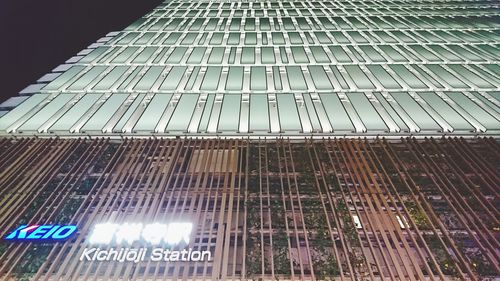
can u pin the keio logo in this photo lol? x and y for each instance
(42, 232)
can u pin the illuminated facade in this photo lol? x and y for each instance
(267, 68)
(273, 140)
(270, 209)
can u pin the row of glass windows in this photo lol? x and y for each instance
(282, 112)
(235, 22)
(346, 54)
(301, 38)
(400, 5)
(262, 78)
(308, 12)
(364, 11)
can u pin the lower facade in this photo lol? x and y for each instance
(233, 209)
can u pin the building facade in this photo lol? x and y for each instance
(270, 68)
(313, 210)
(262, 140)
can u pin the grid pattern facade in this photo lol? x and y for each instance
(262, 68)
(325, 209)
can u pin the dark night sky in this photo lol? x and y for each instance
(38, 35)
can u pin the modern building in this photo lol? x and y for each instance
(268, 68)
(262, 140)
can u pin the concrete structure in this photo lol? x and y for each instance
(270, 68)
(304, 140)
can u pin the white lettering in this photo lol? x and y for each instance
(137, 255)
(208, 254)
(177, 232)
(86, 253)
(174, 256)
(132, 255)
(103, 233)
(155, 233)
(195, 256)
(128, 232)
(102, 255)
(112, 254)
(157, 254)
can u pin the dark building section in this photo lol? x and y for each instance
(323, 209)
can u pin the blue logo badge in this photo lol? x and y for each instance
(42, 232)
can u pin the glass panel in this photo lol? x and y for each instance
(105, 112)
(340, 37)
(250, 24)
(182, 114)
(319, 54)
(64, 78)
(392, 53)
(75, 113)
(296, 78)
(216, 38)
(173, 78)
(424, 53)
(149, 78)
(172, 38)
(259, 113)
(153, 113)
(144, 39)
(233, 39)
(267, 55)
(336, 113)
(229, 116)
(131, 109)
(299, 55)
(248, 55)
(295, 38)
(471, 76)
(211, 78)
(416, 112)
(235, 78)
(339, 54)
(216, 55)
(189, 38)
(44, 114)
(447, 113)
(372, 53)
(94, 55)
(264, 24)
(144, 56)
(323, 38)
(20, 110)
(87, 78)
(407, 76)
(235, 24)
(359, 77)
(196, 55)
(339, 77)
(177, 55)
(258, 79)
(288, 114)
(125, 55)
(114, 75)
(250, 38)
(278, 38)
(369, 116)
(385, 78)
(320, 78)
(446, 76)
